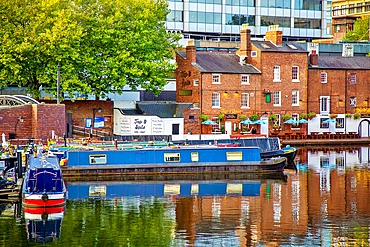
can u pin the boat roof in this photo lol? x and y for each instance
(44, 161)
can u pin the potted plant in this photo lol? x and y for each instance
(203, 117)
(347, 115)
(242, 117)
(332, 116)
(303, 116)
(286, 116)
(311, 115)
(276, 127)
(356, 115)
(272, 117)
(254, 117)
(220, 117)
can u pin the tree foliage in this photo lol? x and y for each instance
(360, 30)
(101, 46)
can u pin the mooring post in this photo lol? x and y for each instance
(19, 163)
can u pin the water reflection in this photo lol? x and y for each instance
(325, 202)
(43, 224)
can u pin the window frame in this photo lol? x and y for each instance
(324, 77)
(216, 79)
(295, 97)
(276, 73)
(245, 82)
(245, 97)
(276, 98)
(295, 74)
(216, 98)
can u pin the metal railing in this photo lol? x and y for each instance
(83, 131)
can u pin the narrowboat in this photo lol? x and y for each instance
(170, 160)
(43, 185)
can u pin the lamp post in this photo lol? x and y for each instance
(19, 120)
(95, 110)
(58, 85)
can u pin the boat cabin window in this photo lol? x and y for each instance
(234, 156)
(171, 157)
(98, 159)
(194, 156)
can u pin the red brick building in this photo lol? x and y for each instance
(262, 77)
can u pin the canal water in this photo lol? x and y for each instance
(324, 202)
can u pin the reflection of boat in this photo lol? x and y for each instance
(43, 224)
(43, 185)
(165, 160)
(193, 185)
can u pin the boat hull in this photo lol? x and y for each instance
(44, 200)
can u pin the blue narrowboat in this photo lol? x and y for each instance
(43, 185)
(167, 160)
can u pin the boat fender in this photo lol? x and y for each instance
(44, 197)
(44, 216)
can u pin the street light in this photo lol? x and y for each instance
(58, 85)
(95, 110)
(19, 120)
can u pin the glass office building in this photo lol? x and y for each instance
(222, 19)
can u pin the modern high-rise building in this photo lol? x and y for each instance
(222, 19)
(345, 14)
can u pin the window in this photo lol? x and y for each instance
(352, 101)
(216, 79)
(295, 73)
(336, 11)
(324, 77)
(324, 104)
(196, 83)
(323, 124)
(343, 11)
(295, 116)
(195, 105)
(340, 123)
(352, 78)
(254, 54)
(194, 156)
(277, 73)
(245, 79)
(295, 98)
(175, 129)
(215, 99)
(234, 156)
(277, 98)
(98, 159)
(171, 157)
(245, 100)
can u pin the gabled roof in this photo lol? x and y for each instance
(337, 62)
(221, 62)
(287, 46)
(162, 109)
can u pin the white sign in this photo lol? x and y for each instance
(157, 127)
(125, 126)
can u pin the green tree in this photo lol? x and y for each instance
(360, 30)
(101, 46)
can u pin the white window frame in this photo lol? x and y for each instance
(216, 100)
(196, 82)
(324, 105)
(352, 101)
(276, 98)
(245, 80)
(352, 78)
(244, 100)
(216, 79)
(295, 74)
(295, 97)
(276, 73)
(324, 77)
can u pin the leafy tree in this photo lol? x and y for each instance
(101, 46)
(360, 30)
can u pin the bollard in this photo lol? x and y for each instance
(19, 163)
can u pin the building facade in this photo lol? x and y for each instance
(222, 19)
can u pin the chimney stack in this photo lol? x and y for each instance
(314, 58)
(191, 52)
(245, 43)
(275, 35)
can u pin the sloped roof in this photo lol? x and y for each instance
(221, 62)
(287, 46)
(162, 109)
(130, 112)
(338, 62)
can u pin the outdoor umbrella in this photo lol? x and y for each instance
(259, 121)
(291, 121)
(209, 122)
(302, 120)
(329, 120)
(246, 122)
